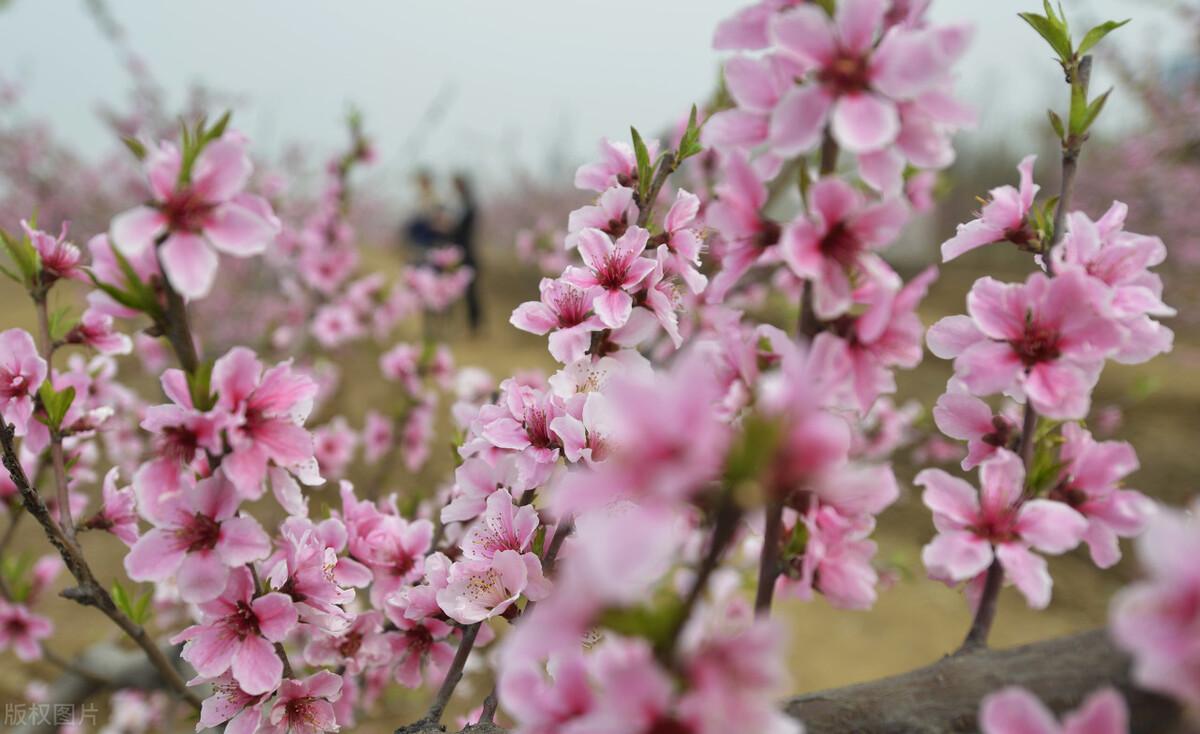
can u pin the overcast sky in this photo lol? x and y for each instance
(523, 78)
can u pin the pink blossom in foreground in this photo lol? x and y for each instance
(750, 237)
(1004, 217)
(423, 640)
(23, 631)
(479, 590)
(854, 83)
(613, 213)
(59, 258)
(118, 514)
(747, 29)
(198, 217)
(996, 523)
(22, 372)
(1155, 619)
(305, 706)
(196, 539)
(836, 239)
(565, 312)
(958, 414)
(236, 633)
(98, 331)
(1015, 710)
(229, 703)
(1091, 483)
(886, 336)
(617, 166)
(1122, 261)
(363, 645)
(269, 408)
(1044, 339)
(684, 242)
(613, 270)
(307, 566)
(503, 527)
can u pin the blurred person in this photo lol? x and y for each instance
(463, 235)
(427, 228)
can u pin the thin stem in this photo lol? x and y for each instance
(666, 168)
(46, 347)
(985, 613)
(490, 704)
(88, 592)
(453, 674)
(829, 153)
(768, 562)
(1070, 166)
(724, 529)
(174, 321)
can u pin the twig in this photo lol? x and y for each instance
(768, 561)
(89, 592)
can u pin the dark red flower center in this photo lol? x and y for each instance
(840, 243)
(846, 74)
(186, 211)
(1037, 345)
(201, 533)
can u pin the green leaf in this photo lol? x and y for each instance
(1053, 32)
(653, 623)
(1057, 123)
(135, 146)
(1079, 109)
(56, 403)
(752, 450)
(23, 255)
(121, 599)
(218, 130)
(141, 608)
(642, 153)
(61, 323)
(689, 144)
(200, 386)
(1093, 110)
(1095, 35)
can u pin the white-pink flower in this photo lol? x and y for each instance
(268, 408)
(196, 539)
(237, 632)
(996, 523)
(198, 217)
(23, 630)
(479, 590)
(1045, 339)
(614, 269)
(22, 372)
(1014, 710)
(1004, 217)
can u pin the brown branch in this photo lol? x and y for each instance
(88, 592)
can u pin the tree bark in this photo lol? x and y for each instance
(945, 696)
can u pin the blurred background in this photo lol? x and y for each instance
(516, 96)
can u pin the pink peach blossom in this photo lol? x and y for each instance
(236, 633)
(1045, 340)
(613, 270)
(1014, 710)
(1004, 217)
(198, 217)
(997, 523)
(197, 538)
(23, 631)
(22, 372)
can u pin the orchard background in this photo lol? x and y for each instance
(1144, 154)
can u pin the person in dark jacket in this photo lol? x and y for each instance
(463, 235)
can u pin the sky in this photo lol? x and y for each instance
(527, 84)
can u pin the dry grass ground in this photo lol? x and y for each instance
(915, 621)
